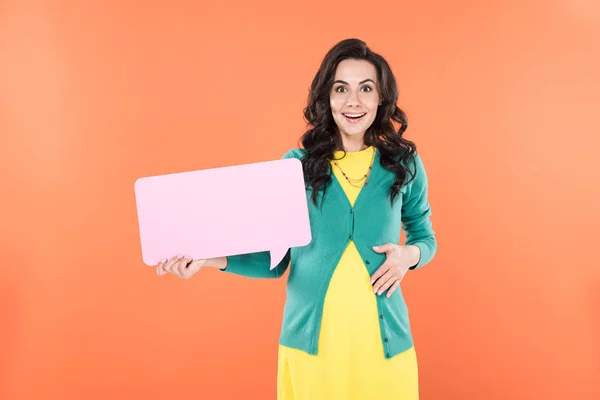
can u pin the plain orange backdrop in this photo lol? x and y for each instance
(502, 100)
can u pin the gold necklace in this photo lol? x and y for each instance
(355, 181)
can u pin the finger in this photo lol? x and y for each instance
(185, 270)
(180, 266)
(383, 248)
(381, 280)
(395, 286)
(379, 284)
(387, 285)
(170, 263)
(381, 271)
(160, 267)
(167, 266)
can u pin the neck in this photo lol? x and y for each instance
(353, 144)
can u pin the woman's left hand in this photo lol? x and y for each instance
(391, 272)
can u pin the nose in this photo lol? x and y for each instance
(352, 99)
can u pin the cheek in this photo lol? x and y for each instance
(372, 102)
(336, 104)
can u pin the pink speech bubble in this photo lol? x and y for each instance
(223, 211)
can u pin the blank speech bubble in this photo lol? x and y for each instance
(223, 211)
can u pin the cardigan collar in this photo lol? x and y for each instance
(376, 175)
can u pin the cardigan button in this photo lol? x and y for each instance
(368, 262)
(387, 355)
(385, 340)
(381, 316)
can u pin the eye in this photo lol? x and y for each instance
(338, 88)
(367, 87)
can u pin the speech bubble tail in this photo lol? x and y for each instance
(276, 257)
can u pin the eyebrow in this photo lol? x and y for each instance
(360, 83)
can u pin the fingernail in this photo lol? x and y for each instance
(376, 247)
(164, 260)
(180, 256)
(375, 290)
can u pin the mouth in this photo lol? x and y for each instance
(354, 118)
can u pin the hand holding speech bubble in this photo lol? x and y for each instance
(223, 211)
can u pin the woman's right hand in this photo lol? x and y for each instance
(182, 266)
(185, 267)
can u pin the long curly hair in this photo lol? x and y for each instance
(322, 138)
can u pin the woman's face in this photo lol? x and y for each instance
(354, 97)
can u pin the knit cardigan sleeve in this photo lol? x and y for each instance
(416, 215)
(256, 265)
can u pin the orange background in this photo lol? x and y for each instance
(502, 101)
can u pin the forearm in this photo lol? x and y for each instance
(219, 262)
(416, 218)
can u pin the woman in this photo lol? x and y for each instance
(345, 331)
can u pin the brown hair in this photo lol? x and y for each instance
(322, 137)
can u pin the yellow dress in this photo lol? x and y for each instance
(350, 364)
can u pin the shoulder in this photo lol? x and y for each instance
(416, 178)
(294, 153)
(410, 162)
(414, 162)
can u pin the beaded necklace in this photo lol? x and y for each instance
(355, 181)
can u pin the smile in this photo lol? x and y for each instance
(354, 118)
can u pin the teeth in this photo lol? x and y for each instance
(354, 115)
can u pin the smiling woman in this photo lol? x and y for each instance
(345, 331)
(363, 352)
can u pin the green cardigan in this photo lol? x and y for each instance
(372, 221)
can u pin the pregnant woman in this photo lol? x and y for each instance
(345, 331)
